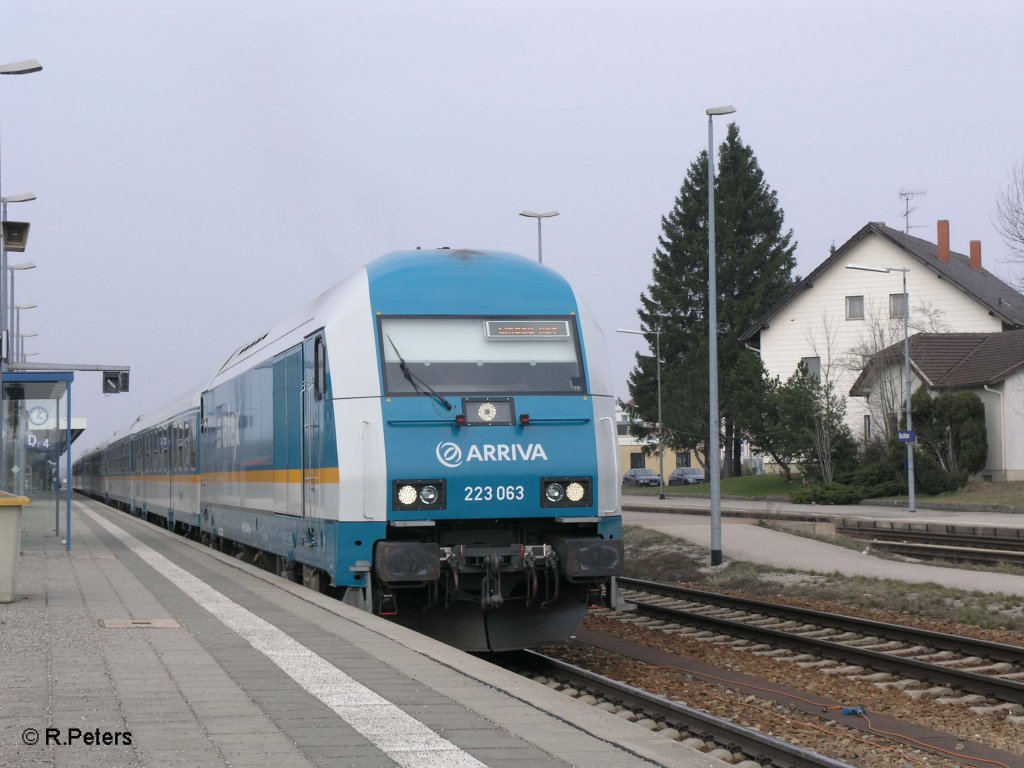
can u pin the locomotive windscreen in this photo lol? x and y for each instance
(465, 355)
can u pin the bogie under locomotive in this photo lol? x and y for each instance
(434, 438)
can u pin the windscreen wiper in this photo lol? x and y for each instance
(416, 381)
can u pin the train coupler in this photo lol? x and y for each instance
(490, 584)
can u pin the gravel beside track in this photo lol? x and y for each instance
(786, 722)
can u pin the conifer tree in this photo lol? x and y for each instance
(754, 259)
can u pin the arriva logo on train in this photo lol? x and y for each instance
(450, 454)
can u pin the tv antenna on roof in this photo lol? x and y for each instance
(907, 194)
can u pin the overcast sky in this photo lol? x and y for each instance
(204, 167)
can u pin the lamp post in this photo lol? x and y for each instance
(538, 217)
(4, 312)
(661, 444)
(906, 375)
(16, 68)
(19, 356)
(12, 268)
(716, 480)
(21, 341)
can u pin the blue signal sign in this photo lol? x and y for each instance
(906, 436)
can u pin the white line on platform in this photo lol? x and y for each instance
(401, 737)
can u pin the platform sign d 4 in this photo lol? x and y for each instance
(906, 436)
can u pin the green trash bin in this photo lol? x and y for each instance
(10, 543)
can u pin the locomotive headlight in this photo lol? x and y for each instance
(566, 492)
(428, 494)
(415, 495)
(554, 492)
(575, 492)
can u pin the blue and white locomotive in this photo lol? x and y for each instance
(434, 436)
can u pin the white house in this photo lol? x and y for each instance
(836, 318)
(991, 365)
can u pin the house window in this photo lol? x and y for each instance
(854, 307)
(897, 305)
(813, 365)
(867, 426)
(636, 461)
(682, 459)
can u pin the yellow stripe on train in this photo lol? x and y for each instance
(324, 475)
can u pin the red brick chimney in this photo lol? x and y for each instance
(976, 254)
(944, 241)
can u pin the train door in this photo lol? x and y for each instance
(313, 388)
(135, 476)
(289, 433)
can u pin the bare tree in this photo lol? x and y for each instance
(881, 331)
(1010, 213)
(827, 418)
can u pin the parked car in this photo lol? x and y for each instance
(686, 476)
(641, 477)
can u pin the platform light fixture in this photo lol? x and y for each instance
(12, 268)
(539, 217)
(20, 67)
(4, 312)
(19, 352)
(14, 68)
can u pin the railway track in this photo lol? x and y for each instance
(938, 541)
(758, 748)
(973, 555)
(957, 534)
(979, 670)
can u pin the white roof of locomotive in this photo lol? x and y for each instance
(293, 328)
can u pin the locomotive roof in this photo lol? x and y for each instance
(436, 281)
(465, 281)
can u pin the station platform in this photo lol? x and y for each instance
(140, 648)
(744, 540)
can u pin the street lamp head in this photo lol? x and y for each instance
(866, 268)
(22, 198)
(715, 111)
(25, 306)
(532, 215)
(18, 267)
(20, 67)
(655, 331)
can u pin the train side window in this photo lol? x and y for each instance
(320, 371)
(193, 460)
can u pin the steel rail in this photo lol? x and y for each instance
(998, 687)
(991, 537)
(759, 746)
(923, 549)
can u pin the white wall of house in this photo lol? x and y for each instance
(815, 324)
(995, 412)
(1013, 392)
(1004, 419)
